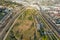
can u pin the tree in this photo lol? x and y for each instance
(35, 37)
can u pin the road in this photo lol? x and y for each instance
(50, 25)
(50, 37)
(53, 24)
(16, 17)
(7, 25)
(4, 21)
(38, 21)
(4, 31)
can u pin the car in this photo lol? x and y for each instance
(57, 21)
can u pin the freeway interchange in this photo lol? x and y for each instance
(44, 26)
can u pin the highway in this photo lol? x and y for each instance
(4, 21)
(50, 25)
(40, 18)
(5, 28)
(39, 21)
(16, 17)
(11, 21)
(53, 24)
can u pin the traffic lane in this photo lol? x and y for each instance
(52, 29)
(48, 34)
(48, 26)
(53, 25)
(8, 25)
(17, 15)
